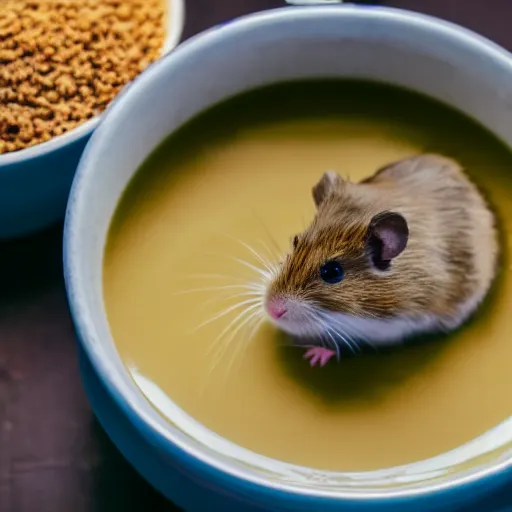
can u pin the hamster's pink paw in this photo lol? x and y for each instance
(319, 355)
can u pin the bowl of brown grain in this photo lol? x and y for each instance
(62, 62)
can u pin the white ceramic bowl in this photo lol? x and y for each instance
(35, 182)
(187, 462)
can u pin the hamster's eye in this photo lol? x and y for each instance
(331, 272)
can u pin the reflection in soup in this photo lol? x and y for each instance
(244, 170)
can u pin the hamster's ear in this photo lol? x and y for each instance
(329, 183)
(387, 238)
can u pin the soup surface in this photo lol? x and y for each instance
(243, 171)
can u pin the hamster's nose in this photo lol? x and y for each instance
(276, 309)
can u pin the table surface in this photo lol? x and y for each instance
(54, 457)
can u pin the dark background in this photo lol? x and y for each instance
(53, 455)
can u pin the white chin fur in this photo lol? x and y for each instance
(385, 331)
(300, 329)
(373, 330)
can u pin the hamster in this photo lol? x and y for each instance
(411, 250)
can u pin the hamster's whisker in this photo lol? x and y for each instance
(347, 337)
(269, 234)
(347, 343)
(350, 340)
(326, 324)
(370, 344)
(252, 325)
(276, 269)
(226, 311)
(357, 336)
(251, 287)
(256, 326)
(253, 251)
(248, 293)
(226, 343)
(215, 276)
(265, 275)
(244, 323)
(235, 296)
(222, 343)
(238, 260)
(275, 256)
(311, 315)
(233, 322)
(360, 338)
(334, 343)
(260, 271)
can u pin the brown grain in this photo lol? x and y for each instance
(63, 61)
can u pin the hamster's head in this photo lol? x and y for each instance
(340, 268)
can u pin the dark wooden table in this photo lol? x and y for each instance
(53, 455)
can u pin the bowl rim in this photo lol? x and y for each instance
(176, 15)
(125, 398)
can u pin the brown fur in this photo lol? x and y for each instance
(450, 258)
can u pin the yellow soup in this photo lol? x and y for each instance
(243, 172)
